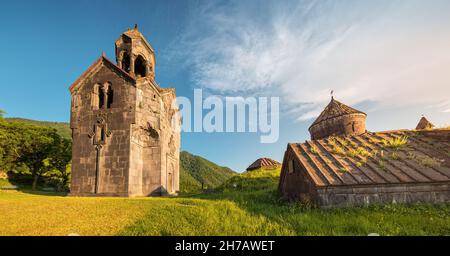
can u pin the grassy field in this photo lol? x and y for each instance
(239, 210)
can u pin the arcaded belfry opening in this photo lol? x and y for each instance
(126, 61)
(140, 67)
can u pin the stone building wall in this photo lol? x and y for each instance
(381, 194)
(352, 124)
(128, 147)
(115, 151)
(295, 184)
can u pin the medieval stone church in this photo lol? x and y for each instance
(125, 132)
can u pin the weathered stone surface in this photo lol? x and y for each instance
(364, 170)
(338, 119)
(121, 123)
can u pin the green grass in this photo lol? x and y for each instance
(252, 210)
(253, 181)
(429, 162)
(395, 143)
(360, 151)
(314, 149)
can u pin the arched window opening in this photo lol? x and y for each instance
(140, 67)
(102, 135)
(353, 126)
(126, 62)
(101, 97)
(110, 93)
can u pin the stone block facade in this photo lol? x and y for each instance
(125, 127)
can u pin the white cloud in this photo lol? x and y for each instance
(395, 53)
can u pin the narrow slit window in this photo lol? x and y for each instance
(101, 97)
(110, 96)
(102, 135)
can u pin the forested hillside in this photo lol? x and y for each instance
(196, 170)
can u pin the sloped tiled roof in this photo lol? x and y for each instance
(335, 109)
(424, 124)
(373, 158)
(263, 162)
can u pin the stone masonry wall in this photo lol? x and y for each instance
(114, 153)
(382, 194)
(342, 125)
(295, 184)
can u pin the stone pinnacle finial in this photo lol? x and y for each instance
(135, 26)
(332, 91)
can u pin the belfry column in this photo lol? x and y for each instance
(132, 59)
(105, 95)
(119, 61)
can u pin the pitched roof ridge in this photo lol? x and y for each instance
(101, 58)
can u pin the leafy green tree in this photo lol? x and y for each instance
(9, 144)
(60, 158)
(37, 146)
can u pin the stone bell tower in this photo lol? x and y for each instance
(125, 127)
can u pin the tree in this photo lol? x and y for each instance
(2, 113)
(9, 144)
(37, 145)
(60, 158)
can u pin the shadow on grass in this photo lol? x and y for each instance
(22, 183)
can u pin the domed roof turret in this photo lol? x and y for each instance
(338, 119)
(335, 109)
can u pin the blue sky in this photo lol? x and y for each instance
(389, 59)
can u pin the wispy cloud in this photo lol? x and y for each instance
(394, 53)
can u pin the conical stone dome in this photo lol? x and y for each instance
(338, 119)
